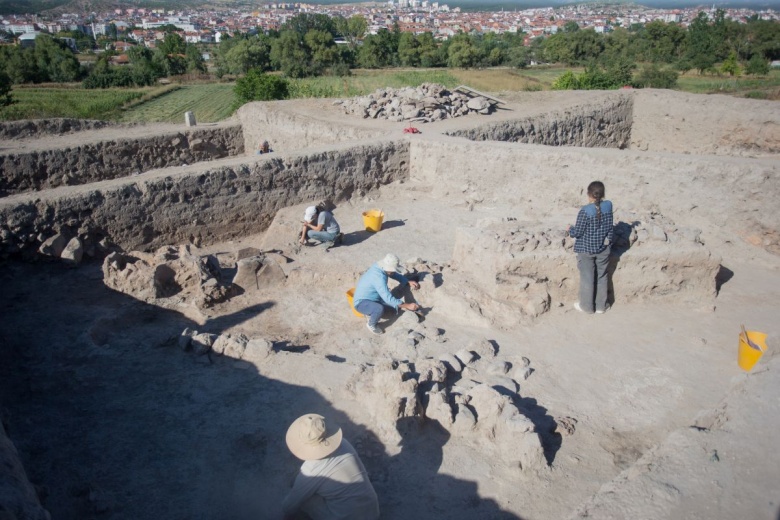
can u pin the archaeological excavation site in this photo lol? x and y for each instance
(162, 326)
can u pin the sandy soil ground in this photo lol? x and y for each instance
(113, 420)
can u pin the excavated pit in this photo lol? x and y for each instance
(162, 386)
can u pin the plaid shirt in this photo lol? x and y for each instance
(590, 232)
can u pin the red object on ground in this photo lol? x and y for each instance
(411, 130)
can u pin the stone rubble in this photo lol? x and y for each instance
(424, 104)
(468, 393)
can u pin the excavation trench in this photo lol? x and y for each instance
(112, 418)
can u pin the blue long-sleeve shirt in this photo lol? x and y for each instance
(372, 286)
(591, 232)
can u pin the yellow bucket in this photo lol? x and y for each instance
(749, 356)
(351, 300)
(372, 219)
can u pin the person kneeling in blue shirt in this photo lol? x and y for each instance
(372, 295)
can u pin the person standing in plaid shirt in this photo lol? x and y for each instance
(593, 236)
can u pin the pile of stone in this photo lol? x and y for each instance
(469, 393)
(236, 346)
(427, 103)
(177, 274)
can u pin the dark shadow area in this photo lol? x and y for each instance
(545, 424)
(414, 475)
(286, 346)
(390, 224)
(621, 243)
(112, 419)
(355, 237)
(724, 275)
(335, 359)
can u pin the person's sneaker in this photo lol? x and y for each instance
(603, 311)
(577, 306)
(374, 328)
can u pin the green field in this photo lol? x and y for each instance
(209, 102)
(770, 85)
(35, 103)
(213, 102)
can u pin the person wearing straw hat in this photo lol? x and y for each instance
(333, 483)
(372, 295)
(319, 224)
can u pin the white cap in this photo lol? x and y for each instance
(309, 213)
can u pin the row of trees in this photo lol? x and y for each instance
(50, 60)
(306, 46)
(703, 44)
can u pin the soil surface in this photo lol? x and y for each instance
(113, 420)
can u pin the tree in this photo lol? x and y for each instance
(408, 50)
(701, 44)
(321, 49)
(19, 64)
(194, 59)
(651, 76)
(54, 60)
(259, 86)
(353, 29)
(172, 43)
(380, 49)
(304, 22)
(290, 55)
(244, 54)
(429, 51)
(461, 52)
(570, 27)
(757, 66)
(730, 65)
(5, 90)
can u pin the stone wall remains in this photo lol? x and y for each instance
(199, 205)
(102, 160)
(39, 127)
(603, 125)
(508, 272)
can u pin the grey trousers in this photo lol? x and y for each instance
(593, 278)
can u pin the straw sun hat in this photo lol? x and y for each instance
(310, 438)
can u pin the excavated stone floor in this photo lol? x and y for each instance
(558, 414)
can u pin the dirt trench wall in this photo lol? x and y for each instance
(279, 123)
(723, 196)
(199, 204)
(97, 161)
(606, 124)
(705, 125)
(39, 127)
(17, 496)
